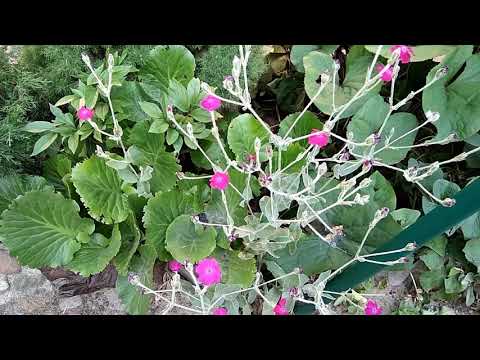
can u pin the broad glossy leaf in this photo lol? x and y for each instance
(357, 65)
(234, 269)
(43, 143)
(160, 212)
(457, 99)
(472, 252)
(185, 241)
(13, 186)
(313, 255)
(299, 51)
(166, 63)
(134, 302)
(126, 99)
(93, 258)
(41, 229)
(242, 132)
(369, 119)
(304, 126)
(100, 188)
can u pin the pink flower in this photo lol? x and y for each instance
(318, 138)
(372, 308)
(220, 311)
(280, 308)
(85, 113)
(210, 103)
(406, 52)
(175, 266)
(208, 271)
(388, 74)
(219, 180)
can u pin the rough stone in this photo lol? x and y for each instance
(4, 285)
(8, 264)
(71, 305)
(102, 302)
(29, 293)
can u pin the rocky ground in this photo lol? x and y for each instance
(25, 291)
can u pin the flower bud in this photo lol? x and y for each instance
(110, 62)
(86, 59)
(448, 202)
(441, 72)
(367, 165)
(432, 116)
(133, 279)
(365, 183)
(345, 156)
(228, 83)
(411, 246)
(236, 67)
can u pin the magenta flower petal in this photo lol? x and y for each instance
(210, 103)
(208, 271)
(388, 74)
(372, 308)
(406, 52)
(85, 113)
(220, 311)
(219, 180)
(280, 308)
(175, 266)
(318, 138)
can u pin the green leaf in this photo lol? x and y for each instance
(357, 67)
(148, 149)
(160, 212)
(130, 241)
(43, 143)
(185, 241)
(472, 252)
(456, 99)
(369, 119)
(65, 100)
(471, 227)
(178, 96)
(55, 168)
(39, 126)
(235, 270)
(432, 260)
(438, 244)
(420, 53)
(313, 255)
(405, 217)
(242, 132)
(93, 258)
(73, 143)
(151, 110)
(134, 302)
(91, 96)
(167, 63)
(100, 188)
(298, 52)
(40, 228)
(126, 99)
(453, 286)
(201, 115)
(159, 127)
(304, 126)
(213, 151)
(288, 157)
(430, 280)
(13, 186)
(172, 136)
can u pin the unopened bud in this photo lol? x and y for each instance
(432, 116)
(110, 61)
(365, 183)
(133, 279)
(367, 165)
(361, 200)
(345, 156)
(448, 202)
(257, 144)
(86, 59)
(411, 246)
(228, 83)
(441, 72)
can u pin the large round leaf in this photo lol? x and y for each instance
(160, 212)
(93, 258)
(100, 188)
(304, 126)
(472, 252)
(242, 132)
(358, 62)
(299, 51)
(185, 241)
(17, 185)
(126, 100)
(41, 229)
(420, 53)
(369, 119)
(457, 99)
(168, 63)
